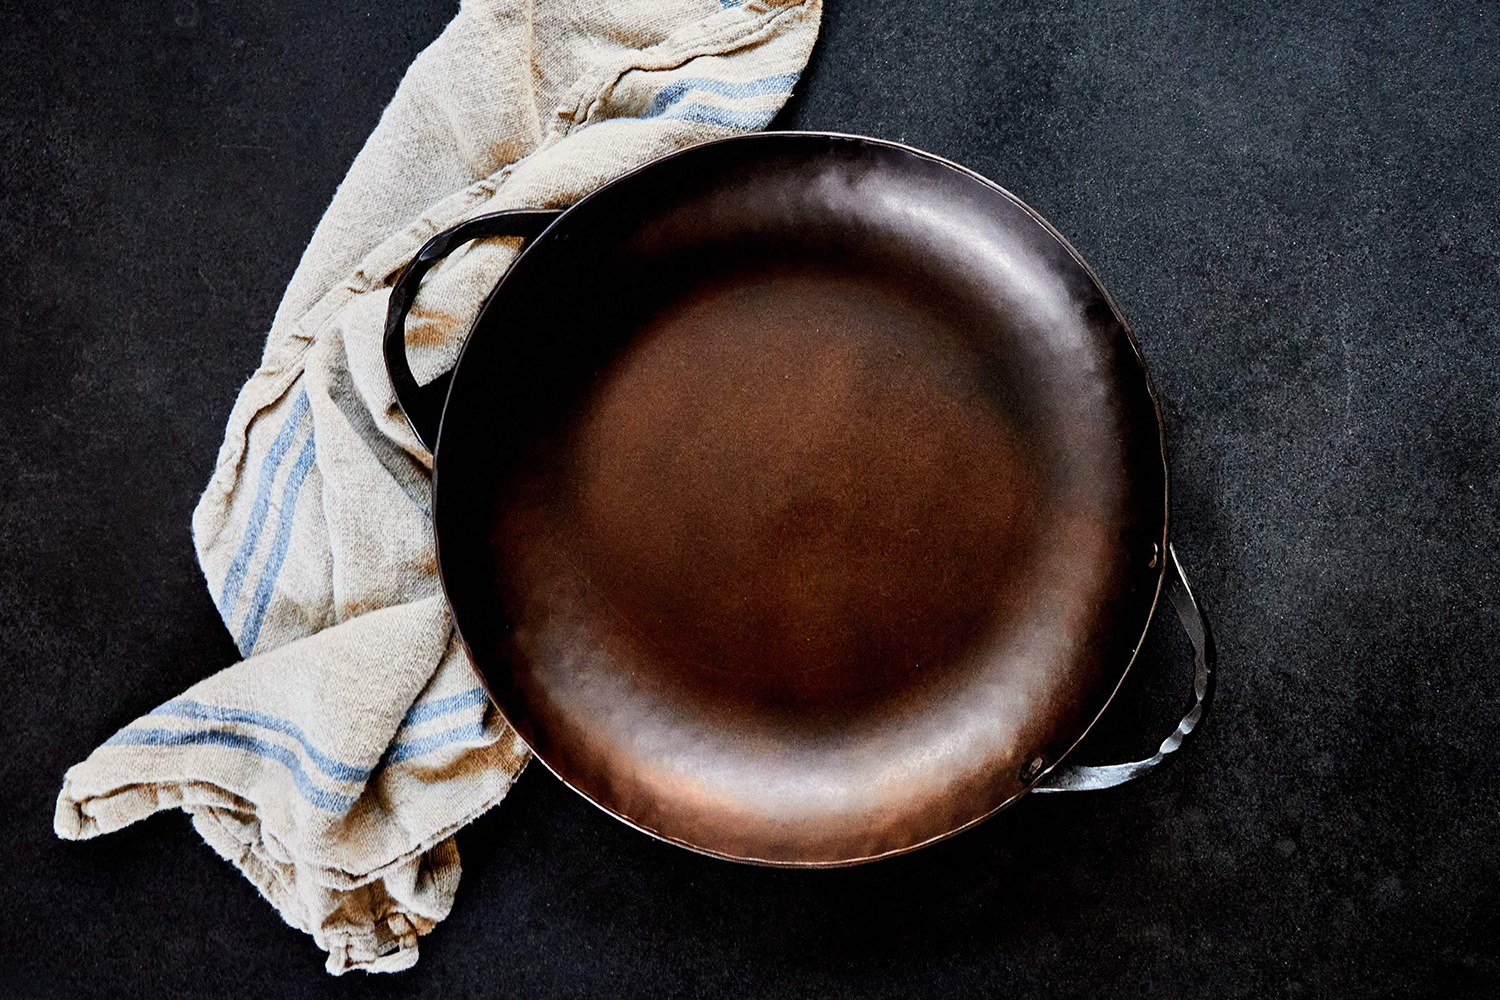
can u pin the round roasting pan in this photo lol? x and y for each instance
(800, 498)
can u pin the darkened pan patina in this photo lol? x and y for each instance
(800, 499)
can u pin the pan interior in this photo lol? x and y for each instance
(795, 493)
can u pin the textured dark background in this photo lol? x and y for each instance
(1296, 206)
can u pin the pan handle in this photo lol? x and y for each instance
(1092, 777)
(423, 404)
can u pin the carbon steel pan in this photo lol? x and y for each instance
(796, 493)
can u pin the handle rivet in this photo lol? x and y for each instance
(1032, 768)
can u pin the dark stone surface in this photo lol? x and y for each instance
(1297, 208)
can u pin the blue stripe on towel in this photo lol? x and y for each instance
(707, 114)
(326, 800)
(673, 92)
(416, 748)
(269, 466)
(272, 568)
(438, 707)
(185, 708)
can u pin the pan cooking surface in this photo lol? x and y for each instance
(796, 493)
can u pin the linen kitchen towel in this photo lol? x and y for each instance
(333, 764)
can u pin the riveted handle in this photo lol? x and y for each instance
(423, 404)
(1091, 777)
